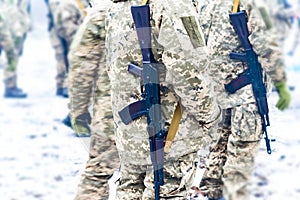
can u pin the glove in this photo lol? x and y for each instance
(284, 95)
(80, 125)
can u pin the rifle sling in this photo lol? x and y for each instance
(81, 6)
(144, 2)
(175, 120)
(173, 128)
(235, 7)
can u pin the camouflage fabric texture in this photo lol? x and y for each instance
(230, 163)
(66, 18)
(182, 80)
(90, 87)
(221, 43)
(280, 15)
(15, 22)
(7, 43)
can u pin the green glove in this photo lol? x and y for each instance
(80, 125)
(284, 95)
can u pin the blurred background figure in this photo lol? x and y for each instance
(296, 19)
(15, 22)
(282, 14)
(64, 18)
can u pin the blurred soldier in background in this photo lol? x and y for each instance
(7, 46)
(179, 49)
(15, 20)
(89, 86)
(65, 16)
(296, 41)
(281, 14)
(231, 161)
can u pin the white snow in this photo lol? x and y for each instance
(41, 159)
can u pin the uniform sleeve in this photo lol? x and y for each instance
(86, 63)
(186, 74)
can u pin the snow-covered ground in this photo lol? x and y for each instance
(41, 159)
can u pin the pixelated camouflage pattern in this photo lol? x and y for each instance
(212, 183)
(183, 82)
(189, 87)
(136, 181)
(89, 86)
(182, 172)
(242, 150)
(221, 40)
(231, 162)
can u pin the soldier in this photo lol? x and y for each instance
(16, 23)
(183, 61)
(64, 18)
(89, 82)
(231, 161)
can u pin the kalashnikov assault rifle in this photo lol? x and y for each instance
(149, 106)
(252, 75)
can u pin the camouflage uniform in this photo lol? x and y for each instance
(231, 162)
(87, 57)
(182, 81)
(7, 44)
(281, 16)
(17, 22)
(64, 19)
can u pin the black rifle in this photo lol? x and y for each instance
(149, 106)
(253, 75)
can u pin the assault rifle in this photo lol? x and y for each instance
(149, 106)
(253, 75)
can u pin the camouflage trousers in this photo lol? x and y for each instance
(102, 163)
(10, 78)
(231, 162)
(136, 181)
(10, 71)
(61, 69)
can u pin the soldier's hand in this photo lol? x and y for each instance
(80, 125)
(284, 95)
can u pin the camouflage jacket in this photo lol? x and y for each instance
(221, 40)
(183, 79)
